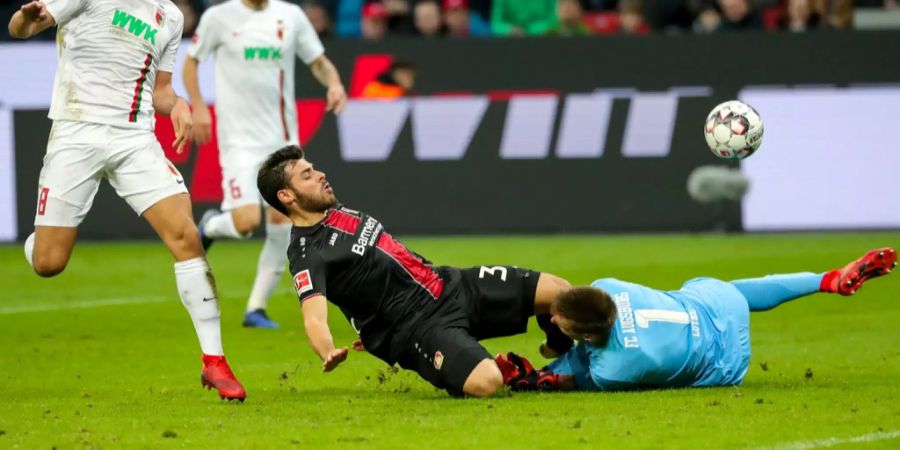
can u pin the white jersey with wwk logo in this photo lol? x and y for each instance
(254, 54)
(109, 52)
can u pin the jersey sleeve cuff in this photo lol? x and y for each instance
(311, 295)
(317, 54)
(54, 9)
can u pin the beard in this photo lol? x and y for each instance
(321, 202)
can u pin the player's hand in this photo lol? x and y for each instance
(358, 345)
(336, 98)
(548, 352)
(202, 125)
(35, 12)
(335, 358)
(181, 122)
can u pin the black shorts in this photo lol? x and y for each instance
(478, 303)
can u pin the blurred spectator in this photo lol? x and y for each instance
(191, 16)
(398, 80)
(348, 18)
(374, 21)
(571, 20)
(319, 18)
(707, 21)
(735, 15)
(522, 17)
(808, 14)
(399, 21)
(800, 15)
(459, 21)
(428, 19)
(739, 15)
(839, 13)
(599, 5)
(886, 4)
(631, 17)
(481, 7)
(673, 15)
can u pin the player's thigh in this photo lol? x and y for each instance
(239, 172)
(139, 171)
(502, 299)
(726, 317)
(70, 176)
(445, 357)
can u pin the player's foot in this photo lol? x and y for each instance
(259, 319)
(205, 240)
(850, 278)
(217, 374)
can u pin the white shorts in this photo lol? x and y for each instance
(80, 154)
(239, 171)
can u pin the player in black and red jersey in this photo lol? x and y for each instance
(406, 311)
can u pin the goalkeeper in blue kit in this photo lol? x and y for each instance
(634, 337)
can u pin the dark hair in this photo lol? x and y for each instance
(591, 310)
(272, 176)
(400, 64)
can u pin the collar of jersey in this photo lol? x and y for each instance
(314, 227)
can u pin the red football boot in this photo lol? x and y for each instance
(848, 280)
(217, 374)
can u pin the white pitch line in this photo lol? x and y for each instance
(84, 304)
(832, 441)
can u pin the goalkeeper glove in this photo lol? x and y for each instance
(520, 375)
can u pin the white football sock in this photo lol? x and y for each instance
(197, 289)
(29, 249)
(222, 226)
(270, 266)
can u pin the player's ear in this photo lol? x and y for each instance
(285, 196)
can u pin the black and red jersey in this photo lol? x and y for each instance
(375, 280)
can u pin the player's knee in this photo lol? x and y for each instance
(560, 283)
(484, 380)
(550, 287)
(49, 264)
(246, 227)
(246, 220)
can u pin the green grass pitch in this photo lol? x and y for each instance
(104, 356)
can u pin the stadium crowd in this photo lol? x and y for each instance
(377, 19)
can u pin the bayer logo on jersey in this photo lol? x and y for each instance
(733, 130)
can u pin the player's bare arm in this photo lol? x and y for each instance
(167, 103)
(315, 322)
(30, 20)
(202, 130)
(324, 71)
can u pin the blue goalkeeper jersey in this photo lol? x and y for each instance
(696, 336)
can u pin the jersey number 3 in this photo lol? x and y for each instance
(492, 271)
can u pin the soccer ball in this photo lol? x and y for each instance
(733, 130)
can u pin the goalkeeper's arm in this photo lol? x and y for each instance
(557, 342)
